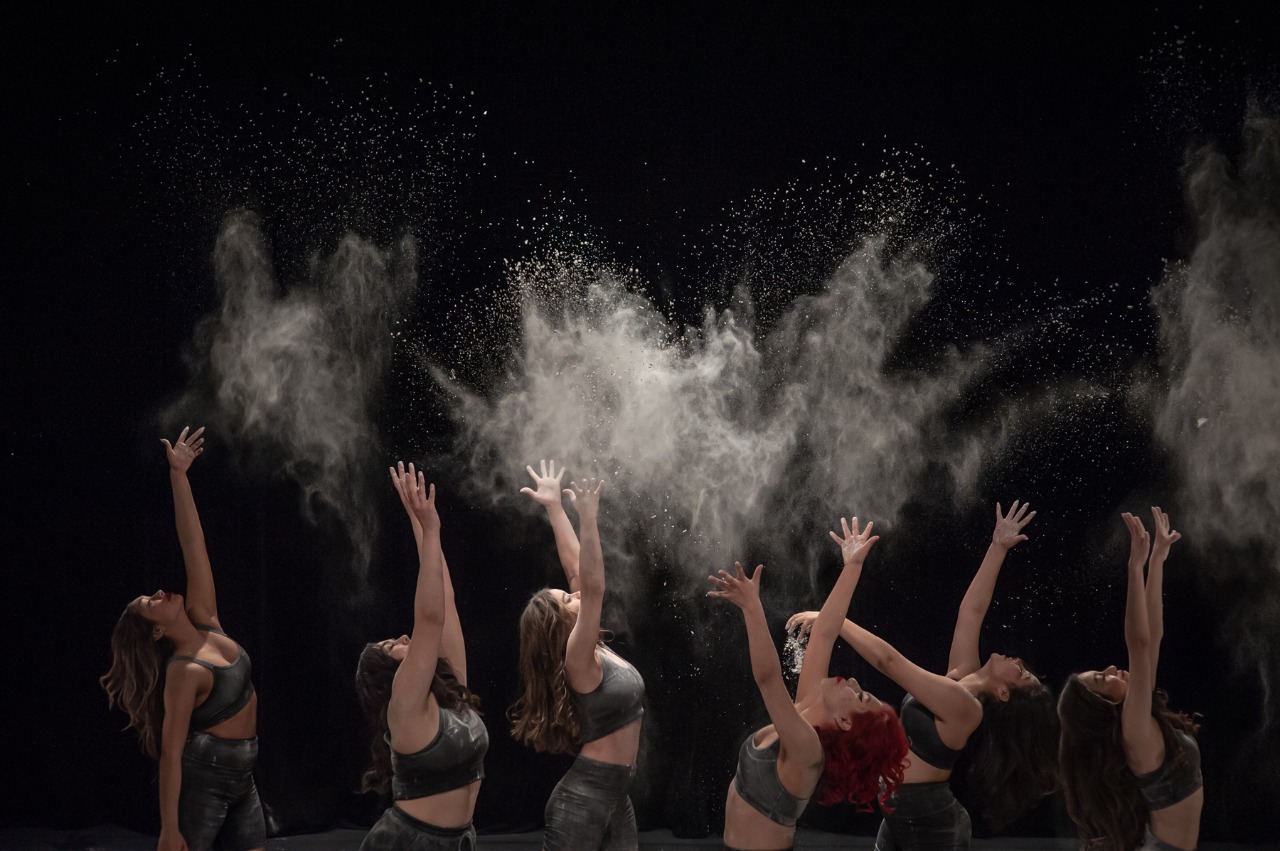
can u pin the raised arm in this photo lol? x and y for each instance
(1142, 738)
(943, 696)
(410, 706)
(964, 657)
(548, 495)
(1164, 540)
(796, 735)
(854, 546)
(452, 645)
(582, 668)
(202, 603)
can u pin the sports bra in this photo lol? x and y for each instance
(612, 705)
(758, 783)
(232, 687)
(453, 759)
(921, 728)
(1177, 778)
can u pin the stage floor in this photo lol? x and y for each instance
(112, 838)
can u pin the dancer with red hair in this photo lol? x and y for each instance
(940, 713)
(834, 740)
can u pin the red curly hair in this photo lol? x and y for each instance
(864, 763)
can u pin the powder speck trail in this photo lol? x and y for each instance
(294, 373)
(708, 434)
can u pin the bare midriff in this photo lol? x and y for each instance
(919, 771)
(617, 748)
(242, 725)
(447, 809)
(1179, 825)
(747, 828)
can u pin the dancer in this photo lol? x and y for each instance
(835, 739)
(1130, 765)
(186, 687)
(577, 695)
(428, 742)
(939, 714)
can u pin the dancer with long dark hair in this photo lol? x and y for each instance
(1014, 767)
(577, 695)
(1130, 765)
(186, 687)
(428, 742)
(834, 740)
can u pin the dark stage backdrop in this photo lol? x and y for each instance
(694, 149)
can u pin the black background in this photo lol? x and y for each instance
(656, 121)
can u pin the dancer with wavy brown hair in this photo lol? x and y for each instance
(577, 695)
(1130, 765)
(186, 687)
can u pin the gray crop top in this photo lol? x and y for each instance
(232, 687)
(922, 734)
(615, 703)
(758, 784)
(453, 759)
(1176, 779)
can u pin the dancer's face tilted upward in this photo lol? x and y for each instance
(570, 602)
(161, 608)
(1111, 683)
(845, 699)
(1009, 671)
(396, 648)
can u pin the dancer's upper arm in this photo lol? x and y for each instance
(581, 665)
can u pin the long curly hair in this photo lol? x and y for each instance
(543, 715)
(865, 763)
(1102, 795)
(1015, 762)
(135, 682)
(375, 673)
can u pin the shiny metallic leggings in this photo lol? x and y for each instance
(925, 816)
(589, 809)
(399, 831)
(219, 806)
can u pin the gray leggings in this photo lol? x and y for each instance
(218, 806)
(399, 831)
(589, 809)
(925, 816)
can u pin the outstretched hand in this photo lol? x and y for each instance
(585, 497)
(1139, 541)
(739, 589)
(184, 452)
(548, 485)
(1165, 536)
(1008, 531)
(854, 545)
(418, 498)
(803, 620)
